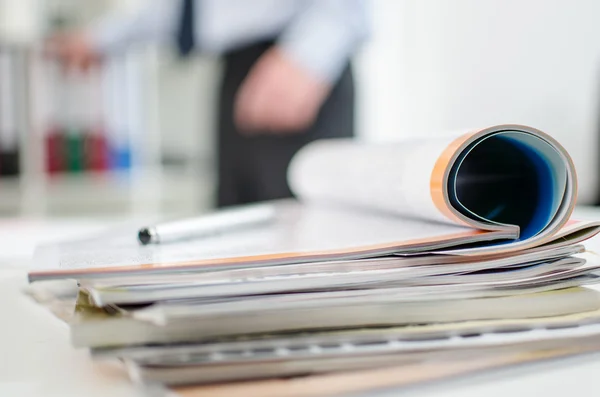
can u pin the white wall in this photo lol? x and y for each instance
(19, 20)
(437, 65)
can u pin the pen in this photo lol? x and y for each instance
(219, 222)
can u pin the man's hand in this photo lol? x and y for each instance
(73, 49)
(278, 95)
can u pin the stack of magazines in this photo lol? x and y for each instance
(434, 256)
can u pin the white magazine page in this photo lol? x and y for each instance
(392, 177)
(299, 234)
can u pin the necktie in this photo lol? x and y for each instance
(185, 35)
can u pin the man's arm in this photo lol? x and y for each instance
(325, 35)
(286, 88)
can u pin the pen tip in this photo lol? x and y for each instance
(144, 236)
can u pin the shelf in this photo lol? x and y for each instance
(183, 180)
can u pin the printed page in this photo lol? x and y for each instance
(393, 178)
(298, 234)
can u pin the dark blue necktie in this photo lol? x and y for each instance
(185, 36)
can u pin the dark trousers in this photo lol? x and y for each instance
(254, 168)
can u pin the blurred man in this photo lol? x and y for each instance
(287, 80)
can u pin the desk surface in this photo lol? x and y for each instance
(38, 360)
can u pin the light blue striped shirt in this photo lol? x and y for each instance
(320, 35)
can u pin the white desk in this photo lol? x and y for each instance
(36, 358)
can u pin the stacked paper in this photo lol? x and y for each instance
(392, 255)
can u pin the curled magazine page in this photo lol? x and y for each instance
(392, 178)
(505, 177)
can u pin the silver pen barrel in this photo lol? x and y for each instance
(207, 225)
